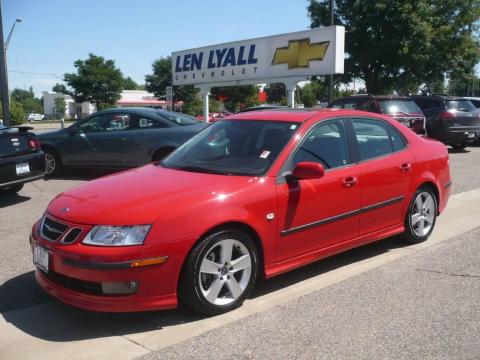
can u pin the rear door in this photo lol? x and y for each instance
(386, 163)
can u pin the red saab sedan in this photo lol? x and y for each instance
(252, 195)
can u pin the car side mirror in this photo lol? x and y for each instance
(307, 170)
(72, 130)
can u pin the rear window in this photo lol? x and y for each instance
(460, 105)
(178, 119)
(399, 106)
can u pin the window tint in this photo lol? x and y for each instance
(177, 118)
(376, 138)
(476, 103)
(106, 123)
(427, 103)
(326, 144)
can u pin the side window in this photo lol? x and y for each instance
(339, 104)
(326, 144)
(105, 123)
(353, 104)
(145, 123)
(376, 138)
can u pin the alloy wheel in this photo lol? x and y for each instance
(423, 214)
(50, 163)
(225, 272)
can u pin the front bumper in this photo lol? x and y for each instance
(77, 272)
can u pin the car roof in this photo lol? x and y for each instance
(378, 97)
(298, 115)
(136, 110)
(438, 97)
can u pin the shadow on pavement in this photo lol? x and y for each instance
(458, 151)
(21, 291)
(54, 321)
(82, 174)
(12, 199)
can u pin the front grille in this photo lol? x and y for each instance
(52, 230)
(87, 287)
(71, 236)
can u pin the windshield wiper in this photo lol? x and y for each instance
(201, 169)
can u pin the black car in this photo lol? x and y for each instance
(401, 108)
(452, 120)
(21, 159)
(118, 138)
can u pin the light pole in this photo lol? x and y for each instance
(3, 69)
(331, 5)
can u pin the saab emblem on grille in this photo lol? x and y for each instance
(52, 229)
(64, 210)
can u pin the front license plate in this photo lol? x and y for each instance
(41, 257)
(22, 168)
(471, 135)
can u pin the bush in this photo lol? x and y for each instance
(17, 115)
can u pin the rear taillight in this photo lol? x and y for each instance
(34, 144)
(446, 115)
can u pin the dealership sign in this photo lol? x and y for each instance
(300, 54)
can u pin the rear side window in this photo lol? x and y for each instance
(399, 106)
(376, 138)
(427, 103)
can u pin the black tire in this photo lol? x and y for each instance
(12, 189)
(412, 233)
(190, 286)
(51, 157)
(460, 146)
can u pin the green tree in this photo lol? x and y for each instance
(17, 115)
(307, 95)
(129, 84)
(276, 93)
(397, 44)
(27, 100)
(59, 88)
(464, 86)
(162, 77)
(60, 106)
(97, 80)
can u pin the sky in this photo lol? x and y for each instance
(55, 33)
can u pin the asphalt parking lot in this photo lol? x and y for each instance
(419, 306)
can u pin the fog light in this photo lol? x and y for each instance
(120, 288)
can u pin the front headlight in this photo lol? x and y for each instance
(117, 235)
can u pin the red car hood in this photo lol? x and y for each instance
(142, 195)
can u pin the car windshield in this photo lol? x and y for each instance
(178, 119)
(396, 106)
(460, 105)
(233, 147)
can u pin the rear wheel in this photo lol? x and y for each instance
(12, 189)
(53, 163)
(421, 216)
(219, 273)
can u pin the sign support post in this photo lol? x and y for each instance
(205, 93)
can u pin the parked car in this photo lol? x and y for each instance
(474, 100)
(117, 138)
(264, 107)
(35, 117)
(213, 116)
(401, 108)
(452, 120)
(21, 159)
(253, 195)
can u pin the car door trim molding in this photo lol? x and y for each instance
(343, 215)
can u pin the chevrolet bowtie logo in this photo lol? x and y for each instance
(299, 53)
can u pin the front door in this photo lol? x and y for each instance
(107, 140)
(318, 213)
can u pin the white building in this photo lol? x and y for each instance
(71, 109)
(143, 98)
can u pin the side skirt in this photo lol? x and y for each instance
(293, 263)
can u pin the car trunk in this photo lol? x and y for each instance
(13, 142)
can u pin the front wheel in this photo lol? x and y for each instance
(421, 216)
(219, 273)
